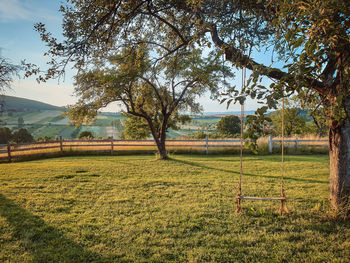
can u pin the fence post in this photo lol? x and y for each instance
(270, 144)
(206, 145)
(61, 145)
(9, 152)
(112, 145)
(296, 143)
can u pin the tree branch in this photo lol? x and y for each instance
(235, 55)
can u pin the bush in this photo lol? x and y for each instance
(86, 135)
(22, 136)
(5, 135)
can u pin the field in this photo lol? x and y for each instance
(50, 123)
(137, 209)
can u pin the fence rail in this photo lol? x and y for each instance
(12, 151)
(296, 143)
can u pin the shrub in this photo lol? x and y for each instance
(22, 136)
(5, 135)
(86, 135)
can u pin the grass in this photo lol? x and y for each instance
(137, 209)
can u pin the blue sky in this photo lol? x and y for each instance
(19, 40)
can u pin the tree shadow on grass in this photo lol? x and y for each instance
(246, 174)
(44, 242)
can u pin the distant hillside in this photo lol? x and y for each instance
(219, 113)
(21, 104)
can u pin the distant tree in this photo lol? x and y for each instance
(293, 123)
(86, 135)
(20, 122)
(22, 136)
(321, 122)
(5, 135)
(229, 125)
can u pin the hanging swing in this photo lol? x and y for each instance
(240, 196)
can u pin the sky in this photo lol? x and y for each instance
(19, 40)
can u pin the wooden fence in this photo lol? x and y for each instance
(296, 143)
(9, 152)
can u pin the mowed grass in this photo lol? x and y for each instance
(137, 209)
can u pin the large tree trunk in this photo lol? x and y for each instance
(339, 155)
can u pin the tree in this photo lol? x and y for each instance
(5, 135)
(230, 125)
(311, 38)
(154, 92)
(7, 72)
(293, 122)
(86, 135)
(136, 128)
(22, 136)
(20, 122)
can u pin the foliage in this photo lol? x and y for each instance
(86, 135)
(294, 124)
(44, 139)
(136, 128)
(8, 71)
(199, 135)
(256, 126)
(22, 136)
(230, 125)
(5, 135)
(155, 94)
(320, 121)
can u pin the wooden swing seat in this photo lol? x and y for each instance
(262, 198)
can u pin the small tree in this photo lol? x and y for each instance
(229, 125)
(5, 135)
(86, 135)
(20, 122)
(22, 136)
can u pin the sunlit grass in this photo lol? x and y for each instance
(136, 209)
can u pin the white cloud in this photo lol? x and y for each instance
(15, 10)
(11, 10)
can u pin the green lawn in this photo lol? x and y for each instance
(137, 209)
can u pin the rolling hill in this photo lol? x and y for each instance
(20, 104)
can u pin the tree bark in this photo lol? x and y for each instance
(162, 150)
(339, 155)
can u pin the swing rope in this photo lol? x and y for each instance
(240, 197)
(241, 138)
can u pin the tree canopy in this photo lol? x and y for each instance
(310, 39)
(229, 125)
(156, 93)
